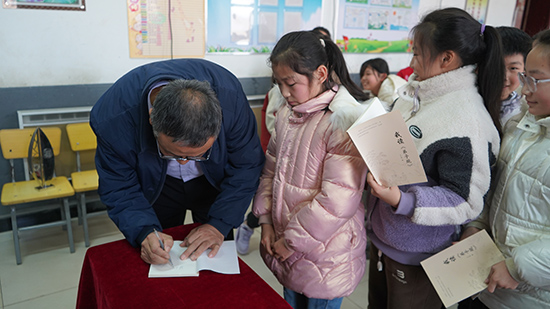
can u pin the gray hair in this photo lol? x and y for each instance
(187, 111)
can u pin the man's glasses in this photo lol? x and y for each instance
(530, 82)
(204, 157)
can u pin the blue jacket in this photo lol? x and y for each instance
(131, 173)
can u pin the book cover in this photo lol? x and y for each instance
(460, 271)
(387, 147)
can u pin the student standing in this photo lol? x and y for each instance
(376, 77)
(309, 198)
(519, 214)
(454, 125)
(516, 45)
(273, 101)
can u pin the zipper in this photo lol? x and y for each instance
(416, 104)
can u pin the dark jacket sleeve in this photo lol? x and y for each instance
(117, 164)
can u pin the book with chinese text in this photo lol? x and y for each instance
(460, 271)
(387, 147)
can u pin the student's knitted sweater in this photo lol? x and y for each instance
(458, 144)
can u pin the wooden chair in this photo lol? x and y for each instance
(82, 138)
(15, 145)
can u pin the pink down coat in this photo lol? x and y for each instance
(310, 189)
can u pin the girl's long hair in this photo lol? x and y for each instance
(456, 30)
(304, 52)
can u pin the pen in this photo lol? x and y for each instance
(162, 246)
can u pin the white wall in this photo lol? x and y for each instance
(46, 48)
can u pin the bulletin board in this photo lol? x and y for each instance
(376, 26)
(166, 29)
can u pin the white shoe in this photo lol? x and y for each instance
(242, 240)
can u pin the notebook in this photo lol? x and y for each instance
(225, 262)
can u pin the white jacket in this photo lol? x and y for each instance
(388, 90)
(276, 100)
(519, 213)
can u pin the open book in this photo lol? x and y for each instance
(386, 146)
(225, 262)
(460, 270)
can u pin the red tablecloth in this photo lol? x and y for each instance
(114, 276)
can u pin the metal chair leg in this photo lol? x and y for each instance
(63, 216)
(15, 231)
(84, 214)
(68, 223)
(78, 209)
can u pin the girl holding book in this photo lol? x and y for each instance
(451, 108)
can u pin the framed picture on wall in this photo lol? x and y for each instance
(166, 29)
(67, 5)
(375, 26)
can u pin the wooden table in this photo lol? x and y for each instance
(114, 276)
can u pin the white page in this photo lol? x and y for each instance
(460, 270)
(225, 262)
(374, 110)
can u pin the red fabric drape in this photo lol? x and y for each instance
(114, 276)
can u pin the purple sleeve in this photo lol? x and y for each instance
(406, 204)
(440, 205)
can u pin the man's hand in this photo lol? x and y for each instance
(199, 240)
(500, 277)
(391, 195)
(268, 237)
(152, 253)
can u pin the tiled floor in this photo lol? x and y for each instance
(49, 275)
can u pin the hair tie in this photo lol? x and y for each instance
(482, 29)
(322, 42)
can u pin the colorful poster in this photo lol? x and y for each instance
(478, 9)
(166, 29)
(254, 26)
(376, 26)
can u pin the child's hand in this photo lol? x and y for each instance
(500, 277)
(281, 252)
(268, 237)
(391, 195)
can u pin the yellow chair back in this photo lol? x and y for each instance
(15, 142)
(81, 136)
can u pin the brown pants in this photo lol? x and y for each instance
(399, 286)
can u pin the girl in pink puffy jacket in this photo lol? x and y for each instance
(309, 198)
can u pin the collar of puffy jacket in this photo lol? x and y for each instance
(344, 107)
(426, 91)
(318, 103)
(533, 124)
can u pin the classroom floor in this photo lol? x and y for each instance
(49, 275)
